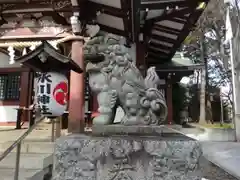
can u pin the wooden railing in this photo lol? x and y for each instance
(20, 111)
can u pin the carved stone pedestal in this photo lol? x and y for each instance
(162, 156)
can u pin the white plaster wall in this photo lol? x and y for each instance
(4, 62)
(8, 113)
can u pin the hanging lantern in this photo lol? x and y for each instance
(52, 94)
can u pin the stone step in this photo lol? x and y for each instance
(27, 161)
(30, 147)
(24, 174)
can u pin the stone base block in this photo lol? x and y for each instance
(126, 157)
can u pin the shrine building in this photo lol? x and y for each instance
(152, 30)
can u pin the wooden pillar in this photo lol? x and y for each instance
(26, 88)
(169, 99)
(76, 96)
(140, 57)
(31, 99)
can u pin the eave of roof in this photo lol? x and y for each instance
(167, 23)
(171, 29)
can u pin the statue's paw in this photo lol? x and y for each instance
(123, 120)
(102, 120)
(155, 105)
(146, 120)
(130, 120)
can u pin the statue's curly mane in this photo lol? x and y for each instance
(113, 51)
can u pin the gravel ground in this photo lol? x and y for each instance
(213, 172)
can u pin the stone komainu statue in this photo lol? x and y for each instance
(117, 82)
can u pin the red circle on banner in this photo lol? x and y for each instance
(60, 93)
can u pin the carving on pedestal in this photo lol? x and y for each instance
(117, 82)
(122, 158)
(171, 160)
(120, 154)
(72, 157)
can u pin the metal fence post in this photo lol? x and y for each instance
(53, 128)
(16, 173)
(58, 127)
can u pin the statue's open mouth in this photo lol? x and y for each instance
(94, 58)
(90, 67)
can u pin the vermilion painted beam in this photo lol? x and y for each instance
(76, 122)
